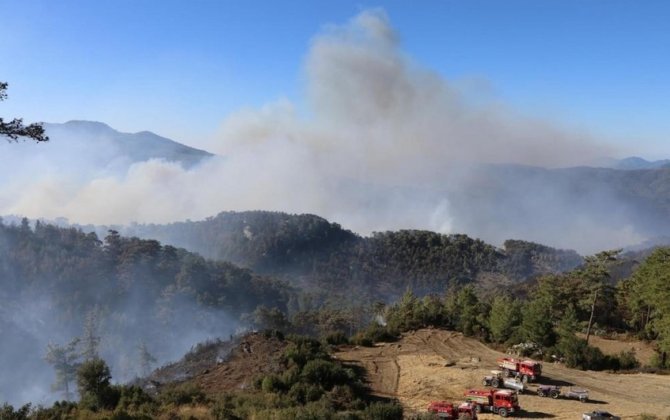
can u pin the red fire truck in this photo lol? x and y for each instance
(447, 410)
(499, 401)
(528, 370)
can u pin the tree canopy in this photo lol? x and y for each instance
(14, 129)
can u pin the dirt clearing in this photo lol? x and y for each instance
(431, 364)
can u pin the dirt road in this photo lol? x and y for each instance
(431, 364)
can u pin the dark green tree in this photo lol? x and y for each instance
(504, 318)
(93, 384)
(15, 128)
(647, 296)
(537, 325)
(464, 311)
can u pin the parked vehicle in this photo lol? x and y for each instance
(500, 401)
(497, 380)
(527, 370)
(599, 415)
(448, 410)
(552, 391)
(577, 393)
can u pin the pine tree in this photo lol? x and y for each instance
(146, 359)
(90, 339)
(65, 360)
(504, 318)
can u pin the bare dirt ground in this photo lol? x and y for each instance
(430, 364)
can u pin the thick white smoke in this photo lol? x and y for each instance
(381, 143)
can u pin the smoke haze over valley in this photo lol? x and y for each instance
(344, 176)
(383, 144)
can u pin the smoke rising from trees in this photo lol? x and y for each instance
(379, 143)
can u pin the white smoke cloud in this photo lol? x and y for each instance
(382, 143)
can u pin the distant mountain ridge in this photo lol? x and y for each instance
(634, 162)
(137, 147)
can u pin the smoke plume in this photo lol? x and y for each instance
(380, 143)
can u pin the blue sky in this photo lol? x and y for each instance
(179, 67)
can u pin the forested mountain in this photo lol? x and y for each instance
(57, 282)
(309, 251)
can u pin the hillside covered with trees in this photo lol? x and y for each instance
(117, 294)
(313, 253)
(71, 297)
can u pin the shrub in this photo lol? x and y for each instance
(8, 412)
(324, 373)
(375, 333)
(60, 410)
(272, 383)
(337, 338)
(383, 411)
(627, 360)
(133, 398)
(657, 361)
(273, 333)
(182, 394)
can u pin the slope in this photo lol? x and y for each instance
(431, 364)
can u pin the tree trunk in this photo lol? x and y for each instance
(593, 310)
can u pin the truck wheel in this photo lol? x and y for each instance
(495, 383)
(502, 412)
(554, 394)
(478, 408)
(524, 379)
(540, 393)
(506, 372)
(485, 382)
(582, 399)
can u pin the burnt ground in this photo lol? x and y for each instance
(221, 366)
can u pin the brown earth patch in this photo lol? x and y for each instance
(223, 366)
(433, 364)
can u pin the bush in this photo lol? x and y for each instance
(273, 333)
(375, 333)
(578, 354)
(360, 339)
(657, 361)
(133, 398)
(324, 373)
(7, 412)
(383, 411)
(337, 338)
(272, 383)
(93, 383)
(627, 360)
(182, 394)
(60, 410)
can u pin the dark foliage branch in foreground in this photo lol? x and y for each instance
(15, 128)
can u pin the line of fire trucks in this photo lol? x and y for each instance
(500, 401)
